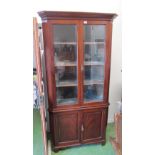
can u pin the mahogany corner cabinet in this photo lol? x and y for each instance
(77, 48)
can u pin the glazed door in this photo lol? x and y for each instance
(93, 125)
(66, 55)
(81, 62)
(94, 55)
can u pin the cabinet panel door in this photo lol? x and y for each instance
(93, 126)
(67, 128)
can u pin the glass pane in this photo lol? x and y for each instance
(93, 92)
(94, 53)
(94, 58)
(94, 33)
(65, 74)
(93, 72)
(66, 95)
(65, 58)
(64, 33)
(65, 53)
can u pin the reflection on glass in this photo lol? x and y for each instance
(65, 58)
(93, 92)
(64, 33)
(94, 72)
(94, 33)
(66, 74)
(66, 95)
(65, 53)
(94, 53)
(94, 57)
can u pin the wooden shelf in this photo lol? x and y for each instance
(93, 43)
(66, 84)
(63, 43)
(93, 63)
(75, 64)
(91, 82)
(73, 84)
(59, 63)
(68, 101)
(92, 100)
(74, 43)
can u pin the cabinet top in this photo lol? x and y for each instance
(50, 15)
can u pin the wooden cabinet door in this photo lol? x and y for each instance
(93, 125)
(66, 126)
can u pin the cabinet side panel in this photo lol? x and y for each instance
(49, 63)
(104, 122)
(108, 60)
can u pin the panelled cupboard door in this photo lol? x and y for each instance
(67, 128)
(93, 125)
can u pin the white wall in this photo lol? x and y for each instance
(115, 91)
(105, 6)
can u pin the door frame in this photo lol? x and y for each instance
(108, 33)
(50, 69)
(50, 27)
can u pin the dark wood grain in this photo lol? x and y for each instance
(108, 60)
(67, 129)
(74, 108)
(93, 123)
(51, 15)
(67, 121)
(49, 63)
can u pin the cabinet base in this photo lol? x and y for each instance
(103, 143)
(58, 148)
